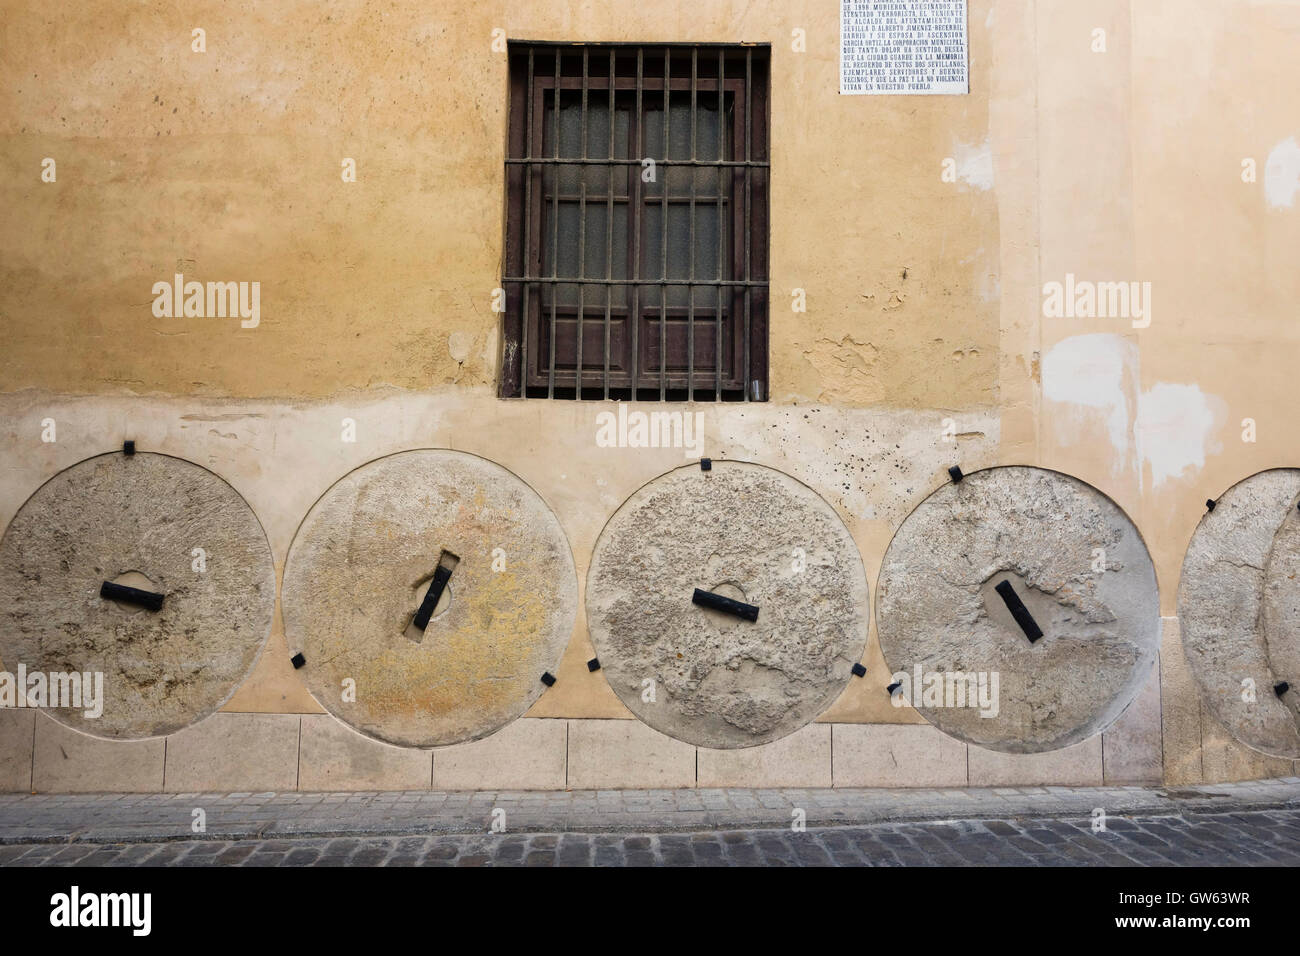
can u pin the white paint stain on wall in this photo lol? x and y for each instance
(1168, 429)
(1098, 376)
(1282, 174)
(1175, 429)
(975, 164)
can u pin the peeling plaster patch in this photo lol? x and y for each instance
(975, 164)
(1174, 428)
(1094, 372)
(848, 367)
(491, 347)
(987, 279)
(990, 286)
(1282, 174)
(458, 344)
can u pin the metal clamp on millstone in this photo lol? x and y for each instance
(726, 605)
(446, 564)
(1019, 611)
(120, 592)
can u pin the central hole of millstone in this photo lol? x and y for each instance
(417, 598)
(729, 589)
(1038, 604)
(722, 620)
(138, 580)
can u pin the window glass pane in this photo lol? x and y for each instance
(596, 177)
(678, 257)
(563, 257)
(709, 139)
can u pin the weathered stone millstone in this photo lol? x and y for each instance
(361, 564)
(750, 533)
(1237, 605)
(1046, 534)
(1282, 614)
(137, 520)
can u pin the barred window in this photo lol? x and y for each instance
(636, 262)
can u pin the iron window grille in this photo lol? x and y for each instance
(636, 262)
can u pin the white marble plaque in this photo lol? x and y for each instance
(904, 47)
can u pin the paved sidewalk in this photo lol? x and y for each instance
(160, 818)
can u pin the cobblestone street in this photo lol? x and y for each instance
(1249, 824)
(1258, 838)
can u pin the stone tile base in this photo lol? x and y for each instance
(68, 761)
(803, 759)
(626, 755)
(898, 755)
(333, 756)
(257, 752)
(16, 729)
(529, 754)
(1077, 766)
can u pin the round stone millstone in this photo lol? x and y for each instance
(137, 520)
(361, 565)
(1042, 533)
(1282, 613)
(1237, 608)
(751, 534)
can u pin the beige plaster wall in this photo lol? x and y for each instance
(1115, 166)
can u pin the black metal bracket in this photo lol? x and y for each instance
(298, 661)
(548, 679)
(442, 574)
(726, 605)
(1019, 611)
(120, 592)
(593, 664)
(955, 474)
(892, 688)
(1210, 504)
(706, 464)
(859, 670)
(128, 448)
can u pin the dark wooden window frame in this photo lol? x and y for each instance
(628, 365)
